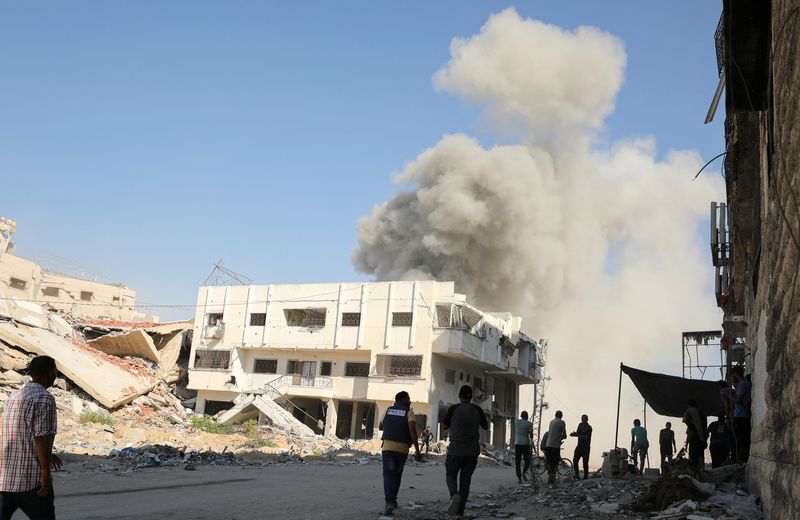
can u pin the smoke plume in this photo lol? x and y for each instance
(597, 247)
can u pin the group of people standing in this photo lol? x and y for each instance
(551, 445)
(462, 422)
(727, 438)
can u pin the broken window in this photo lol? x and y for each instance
(444, 312)
(401, 319)
(326, 368)
(469, 317)
(258, 319)
(213, 318)
(266, 366)
(86, 296)
(351, 319)
(450, 376)
(403, 366)
(356, 369)
(51, 291)
(305, 317)
(214, 407)
(18, 283)
(220, 359)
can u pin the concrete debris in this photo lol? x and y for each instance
(262, 407)
(12, 359)
(162, 455)
(134, 343)
(111, 381)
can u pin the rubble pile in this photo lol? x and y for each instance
(163, 455)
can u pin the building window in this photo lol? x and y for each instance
(443, 313)
(17, 283)
(258, 319)
(212, 318)
(292, 367)
(403, 366)
(351, 319)
(305, 317)
(54, 292)
(219, 359)
(356, 369)
(325, 368)
(266, 366)
(461, 376)
(467, 378)
(478, 383)
(450, 376)
(115, 298)
(401, 319)
(86, 296)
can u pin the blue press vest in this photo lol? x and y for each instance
(395, 425)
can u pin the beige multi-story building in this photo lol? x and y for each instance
(338, 353)
(23, 279)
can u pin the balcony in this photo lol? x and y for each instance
(461, 343)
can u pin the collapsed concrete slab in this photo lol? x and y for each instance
(112, 381)
(169, 350)
(252, 406)
(134, 343)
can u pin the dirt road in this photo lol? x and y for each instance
(239, 493)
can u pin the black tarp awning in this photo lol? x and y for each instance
(668, 395)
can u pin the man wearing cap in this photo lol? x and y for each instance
(462, 421)
(399, 433)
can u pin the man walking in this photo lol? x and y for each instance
(639, 445)
(26, 449)
(584, 434)
(666, 444)
(427, 436)
(462, 421)
(741, 413)
(523, 431)
(556, 434)
(399, 432)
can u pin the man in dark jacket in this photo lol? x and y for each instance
(399, 433)
(696, 435)
(462, 421)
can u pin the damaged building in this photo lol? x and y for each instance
(25, 280)
(334, 355)
(756, 233)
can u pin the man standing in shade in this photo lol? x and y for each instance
(584, 434)
(26, 449)
(522, 431)
(666, 444)
(399, 432)
(462, 421)
(741, 413)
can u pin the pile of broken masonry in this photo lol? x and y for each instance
(121, 396)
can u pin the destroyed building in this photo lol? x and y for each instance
(25, 280)
(335, 355)
(756, 233)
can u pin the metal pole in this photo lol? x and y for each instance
(644, 416)
(619, 396)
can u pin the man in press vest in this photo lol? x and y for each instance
(399, 433)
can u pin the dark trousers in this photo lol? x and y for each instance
(666, 454)
(697, 448)
(741, 428)
(719, 453)
(34, 506)
(459, 471)
(393, 464)
(581, 452)
(552, 458)
(522, 452)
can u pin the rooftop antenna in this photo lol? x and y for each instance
(221, 275)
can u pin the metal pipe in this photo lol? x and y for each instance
(619, 396)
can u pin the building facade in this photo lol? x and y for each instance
(339, 353)
(756, 234)
(24, 279)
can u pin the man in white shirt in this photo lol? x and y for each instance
(556, 435)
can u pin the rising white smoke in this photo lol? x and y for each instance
(597, 248)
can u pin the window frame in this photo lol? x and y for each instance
(84, 297)
(262, 360)
(211, 364)
(399, 319)
(262, 318)
(361, 364)
(353, 321)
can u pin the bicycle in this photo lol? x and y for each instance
(539, 466)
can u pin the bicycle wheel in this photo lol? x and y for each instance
(565, 468)
(538, 466)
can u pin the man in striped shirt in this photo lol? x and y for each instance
(26, 446)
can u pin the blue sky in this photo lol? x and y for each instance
(153, 138)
